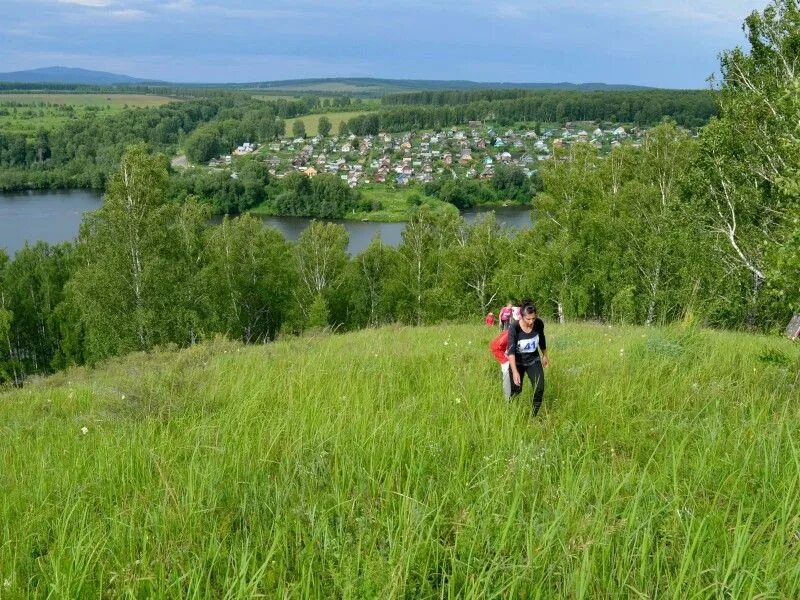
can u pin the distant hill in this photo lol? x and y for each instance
(69, 75)
(355, 86)
(374, 86)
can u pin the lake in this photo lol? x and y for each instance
(54, 216)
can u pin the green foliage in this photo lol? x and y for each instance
(321, 255)
(425, 110)
(325, 196)
(203, 144)
(298, 128)
(749, 159)
(134, 286)
(33, 284)
(318, 315)
(324, 127)
(248, 277)
(225, 191)
(511, 183)
(368, 286)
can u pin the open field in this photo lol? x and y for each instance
(112, 100)
(385, 464)
(27, 113)
(271, 96)
(312, 122)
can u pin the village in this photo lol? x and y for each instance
(399, 159)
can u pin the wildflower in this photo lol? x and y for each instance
(458, 400)
(7, 583)
(445, 342)
(84, 430)
(123, 396)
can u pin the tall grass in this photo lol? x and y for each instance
(385, 464)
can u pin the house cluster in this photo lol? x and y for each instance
(400, 159)
(602, 139)
(244, 149)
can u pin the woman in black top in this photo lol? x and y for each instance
(527, 353)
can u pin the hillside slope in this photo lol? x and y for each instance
(386, 464)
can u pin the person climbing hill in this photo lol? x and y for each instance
(527, 353)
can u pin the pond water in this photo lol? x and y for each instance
(54, 216)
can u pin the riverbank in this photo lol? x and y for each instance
(395, 205)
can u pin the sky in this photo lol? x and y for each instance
(660, 43)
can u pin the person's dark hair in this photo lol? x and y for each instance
(528, 308)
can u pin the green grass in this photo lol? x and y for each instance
(393, 202)
(312, 122)
(385, 464)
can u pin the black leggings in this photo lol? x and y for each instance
(536, 375)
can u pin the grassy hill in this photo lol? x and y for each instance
(386, 464)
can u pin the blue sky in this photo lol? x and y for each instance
(665, 43)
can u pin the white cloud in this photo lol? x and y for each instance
(88, 3)
(130, 14)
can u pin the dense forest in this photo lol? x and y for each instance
(703, 230)
(426, 110)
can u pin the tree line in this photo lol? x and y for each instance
(435, 110)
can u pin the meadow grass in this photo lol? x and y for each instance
(386, 464)
(101, 100)
(28, 113)
(312, 122)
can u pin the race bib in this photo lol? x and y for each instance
(528, 346)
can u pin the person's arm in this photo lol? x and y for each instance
(543, 346)
(512, 360)
(511, 352)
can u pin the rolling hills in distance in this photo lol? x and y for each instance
(368, 86)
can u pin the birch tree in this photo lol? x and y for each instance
(751, 154)
(137, 263)
(248, 276)
(321, 255)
